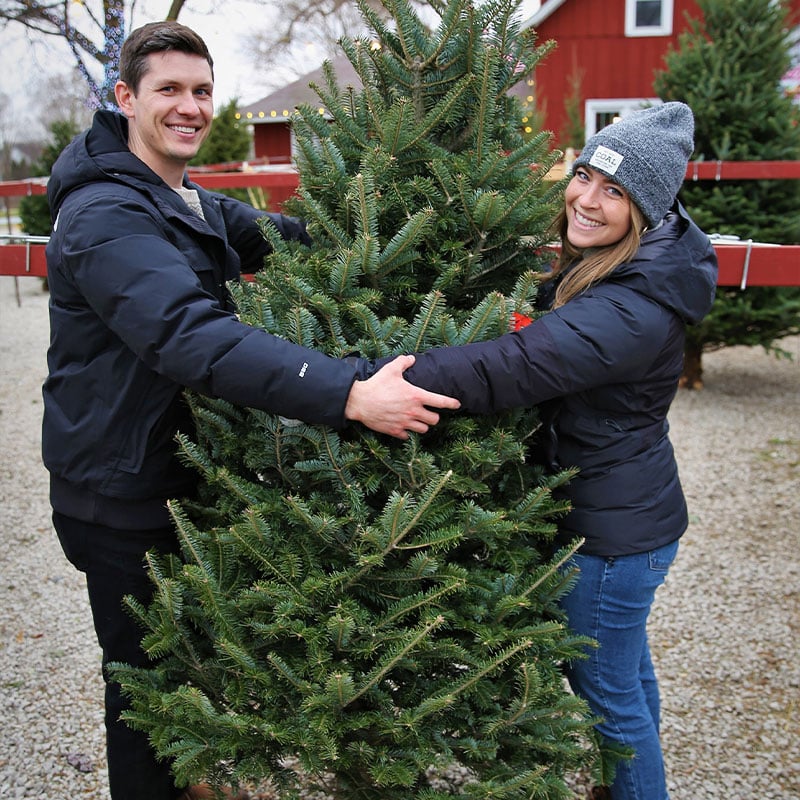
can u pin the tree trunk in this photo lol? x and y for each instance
(692, 377)
(175, 9)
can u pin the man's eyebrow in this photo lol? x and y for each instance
(172, 81)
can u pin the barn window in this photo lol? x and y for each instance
(601, 112)
(648, 17)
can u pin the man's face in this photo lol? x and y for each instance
(170, 115)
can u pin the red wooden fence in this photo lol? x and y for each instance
(741, 263)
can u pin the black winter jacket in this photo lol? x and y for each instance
(139, 311)
(609, 360)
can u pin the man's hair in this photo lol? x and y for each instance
(157, 37)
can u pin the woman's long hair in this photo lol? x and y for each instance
(589, 266)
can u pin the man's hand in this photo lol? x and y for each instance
(388, 403)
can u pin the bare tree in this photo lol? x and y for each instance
(8, 137)
(64, 96)
(93, 30)
(9, 132)
(302, 26)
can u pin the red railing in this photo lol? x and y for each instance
(741, 263)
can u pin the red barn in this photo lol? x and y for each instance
(610, 50)
(271, 116)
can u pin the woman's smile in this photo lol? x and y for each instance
(599, 210)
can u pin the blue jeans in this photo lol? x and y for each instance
(611, 603)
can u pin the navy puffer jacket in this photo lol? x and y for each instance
(609, 360)
(139, 311)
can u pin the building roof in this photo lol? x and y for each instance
(545, 10)
(280, 105)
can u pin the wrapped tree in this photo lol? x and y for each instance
(377, 611)
(728, 68)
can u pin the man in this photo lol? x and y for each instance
(137, 266)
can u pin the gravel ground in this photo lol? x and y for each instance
(724, 630)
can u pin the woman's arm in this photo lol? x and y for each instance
(606, 336)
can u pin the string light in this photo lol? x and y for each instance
(113, 36)
(273, 114)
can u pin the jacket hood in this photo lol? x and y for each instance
(676, 266)
(99, 153)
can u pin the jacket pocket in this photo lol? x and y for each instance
(211, 280)
(148, 425)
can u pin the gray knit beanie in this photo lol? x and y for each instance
(646, 153)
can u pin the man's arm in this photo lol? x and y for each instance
(246, 238)
(387, 403)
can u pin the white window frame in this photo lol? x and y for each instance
(664, 29)
(621, 106)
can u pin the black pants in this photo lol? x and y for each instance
(113, 561)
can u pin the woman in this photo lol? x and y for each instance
(606, 359)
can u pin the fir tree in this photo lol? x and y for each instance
(227, 141)
(378, 609)
(34, 212)
(727, 68)
(573, 133)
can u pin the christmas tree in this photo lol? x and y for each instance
(379, 612)
(728, 68)
(34, 212)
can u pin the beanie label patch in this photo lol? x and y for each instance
(606, 159)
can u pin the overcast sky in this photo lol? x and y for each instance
(23, 67)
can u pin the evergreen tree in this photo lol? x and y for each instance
(378, 609)
(728, 68)
(228, 140)
(573, 133)
(34, 212)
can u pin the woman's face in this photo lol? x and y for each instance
(598, 210)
